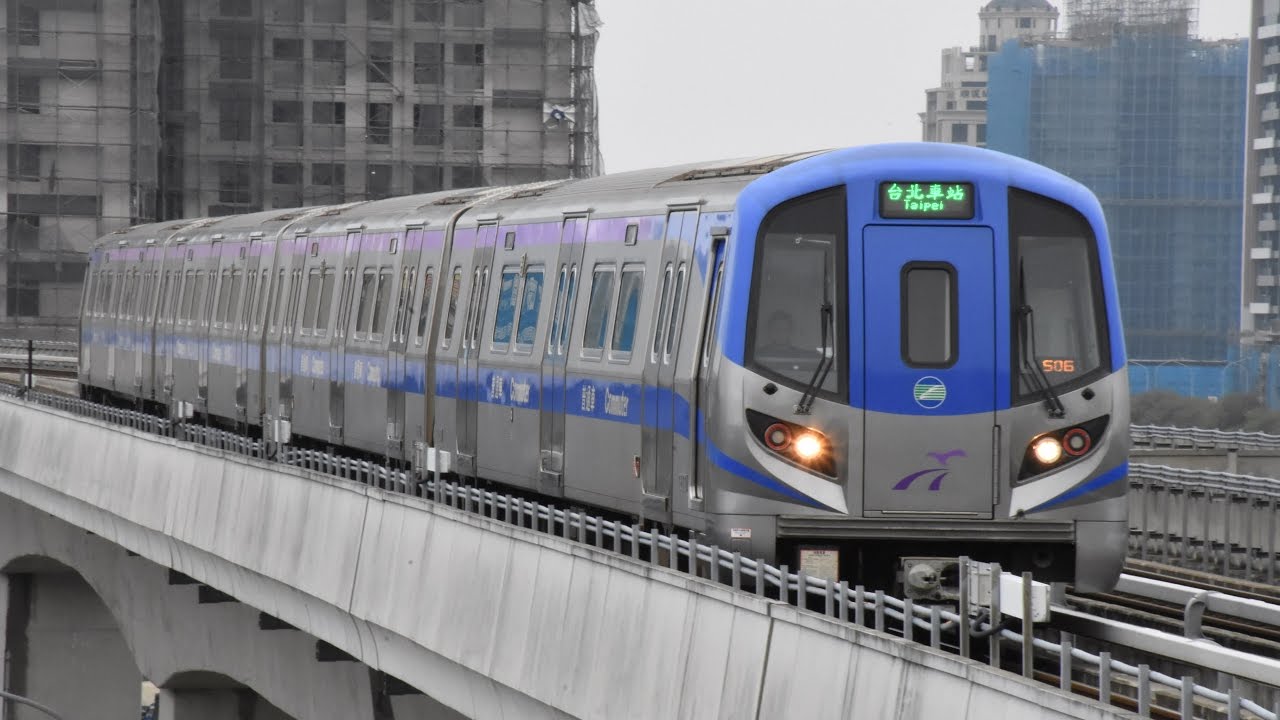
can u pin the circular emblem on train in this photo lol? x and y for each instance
(930, 392)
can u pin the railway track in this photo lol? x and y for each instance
(1160, 611)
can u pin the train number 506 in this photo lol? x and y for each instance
(1058, 366)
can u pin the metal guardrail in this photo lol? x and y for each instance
(40, 356)
(1213, 521)
(857, 605)
(1192, 438)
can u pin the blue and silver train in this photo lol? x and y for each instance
(855, 361)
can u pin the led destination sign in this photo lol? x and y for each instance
(926, 199)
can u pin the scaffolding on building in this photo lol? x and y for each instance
(1101, 20)
(215, 107)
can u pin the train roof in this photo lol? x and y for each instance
(710, 182)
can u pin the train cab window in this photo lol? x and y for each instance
(454, 289)
(326, 302)
(530, 304)
(424, 311)
(598, 306)
(1059, 323)
(930, 316)
(677, 314)
(505, 317)
(383, 301)
(799, 244)
(624, 319)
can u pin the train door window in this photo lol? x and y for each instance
(261, 307)
(709, 342)
(342, 326)
(400, 325)
(478, 306)
(624, 319)
(326, 301)
(929, 315)
(312, 301)
(424, 312)
(250, 295)
(383, 300)
(368, 289)
(276, 310)
(204, 297)
(223, 293)
(601, 301)
(188, 291)
(660, 321)
(233, 302)
(530, 305)
(571, 293)
(295, 291)
(157, 307)
(677, 314)
(557, 312)
(505, 317)
(454, 290)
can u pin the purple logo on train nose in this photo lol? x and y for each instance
(938, 473)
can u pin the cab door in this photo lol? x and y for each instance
(930, 371)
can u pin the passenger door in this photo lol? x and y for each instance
(660, 406)
(398, 347)
(573, 236)
(338, 338)
(930, 378)
(469, 355)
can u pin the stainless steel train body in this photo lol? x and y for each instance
(832, 360)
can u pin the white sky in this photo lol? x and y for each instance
(688, 80)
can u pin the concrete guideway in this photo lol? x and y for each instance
(490, 619)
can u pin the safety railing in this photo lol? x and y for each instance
(39, 356)
(1214, 521)
(1135, 687)
(1155, 436)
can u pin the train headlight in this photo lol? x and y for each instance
(804, 446)
(1048, 450)
(1057, 448)
(808, 447)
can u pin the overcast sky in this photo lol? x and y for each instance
(688, 80)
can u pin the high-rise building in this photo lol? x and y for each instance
(1260, 280)
(1151, 119)
(127, 111)
(80, 136)
(956, 110)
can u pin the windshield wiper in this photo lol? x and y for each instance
(1029, 366)
(826, 315)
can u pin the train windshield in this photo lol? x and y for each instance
(800, 247)
(1055, 272)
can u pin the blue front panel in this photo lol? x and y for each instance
(969, 385)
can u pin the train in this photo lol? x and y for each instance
(865, 362)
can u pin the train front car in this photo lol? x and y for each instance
(921, 360)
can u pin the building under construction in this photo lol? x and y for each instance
(128, 111)
(1132, 104)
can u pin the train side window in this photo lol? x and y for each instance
(597, 326)
(424, 312)
(505, 317)
(383, 300)
(624, 319)
(453, 305)
(326, 301)
(557, 312)
(368, 288)
(677, 315)
(530, 304)
(663, 308)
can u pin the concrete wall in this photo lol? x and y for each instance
(491, 620)
(1259, 463)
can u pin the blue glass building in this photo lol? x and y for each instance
(1153, 121)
